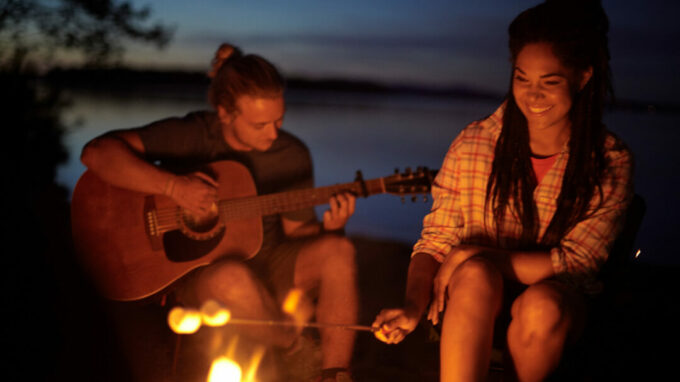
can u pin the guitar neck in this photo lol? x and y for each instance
(294, 200)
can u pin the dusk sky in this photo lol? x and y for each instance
(435, 42)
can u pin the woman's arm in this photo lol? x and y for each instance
(421, 273)
(585, 248)
(392, 325)
(527, 267)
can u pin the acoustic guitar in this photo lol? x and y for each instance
(134, 245)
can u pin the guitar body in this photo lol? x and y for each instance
(122, 243)
(134, 245)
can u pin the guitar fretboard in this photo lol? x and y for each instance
(271, 204)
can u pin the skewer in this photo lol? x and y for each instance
(186, 321)
(248, 321)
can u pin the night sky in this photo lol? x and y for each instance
(433, 43)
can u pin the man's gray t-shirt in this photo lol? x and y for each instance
(183, 144)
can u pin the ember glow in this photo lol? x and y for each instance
(224, 369)
(638, 253)
(184, 321)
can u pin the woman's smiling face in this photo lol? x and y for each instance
(541, 88)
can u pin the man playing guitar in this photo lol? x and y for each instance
(246, 93)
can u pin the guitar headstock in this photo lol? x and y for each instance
(410, 182)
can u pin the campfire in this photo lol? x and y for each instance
(213, 314)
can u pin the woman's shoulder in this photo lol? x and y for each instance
(482, 132)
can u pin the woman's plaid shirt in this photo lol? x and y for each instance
(459, 216)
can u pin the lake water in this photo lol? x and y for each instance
(378, 133)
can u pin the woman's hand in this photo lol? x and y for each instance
(341, 209)
(392, 325)
(456, 257)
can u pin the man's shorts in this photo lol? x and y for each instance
(274, 267)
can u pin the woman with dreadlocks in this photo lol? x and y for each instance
(529, 199)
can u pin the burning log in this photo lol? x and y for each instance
(224, 369)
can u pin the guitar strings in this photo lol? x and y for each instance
(168, 218)
(271, 202)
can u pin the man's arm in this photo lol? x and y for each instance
(117, 158)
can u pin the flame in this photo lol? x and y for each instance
(297, 305)
(231, 348)
(292, 300)
(184, 321)
(638, 253)
(214, 314)
(224, 369)
(258, 354)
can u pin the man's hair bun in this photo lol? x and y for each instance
(223, 53)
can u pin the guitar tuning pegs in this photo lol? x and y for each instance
(413, 198)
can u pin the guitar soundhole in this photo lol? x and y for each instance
(180, 248)
(200, 224)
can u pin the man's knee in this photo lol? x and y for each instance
(335, 243)
(337, 256)
(227, 270)
(327, 258)
(336, 248)
(225, 279)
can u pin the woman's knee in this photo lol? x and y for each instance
(541, 310)
(477, 273)
(476, 281)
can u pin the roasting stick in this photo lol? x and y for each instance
(187, 321)
(247, 321)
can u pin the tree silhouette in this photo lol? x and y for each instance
(57, 331)
(95, 30)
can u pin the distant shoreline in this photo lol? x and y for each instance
(185, 84)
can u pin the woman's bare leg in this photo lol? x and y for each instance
(544, 318)
(475, 296)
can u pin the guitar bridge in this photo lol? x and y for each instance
(151, 223)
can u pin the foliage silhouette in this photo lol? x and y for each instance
(93, 29)
(56, 317)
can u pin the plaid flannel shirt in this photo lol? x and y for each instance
(459, 216)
